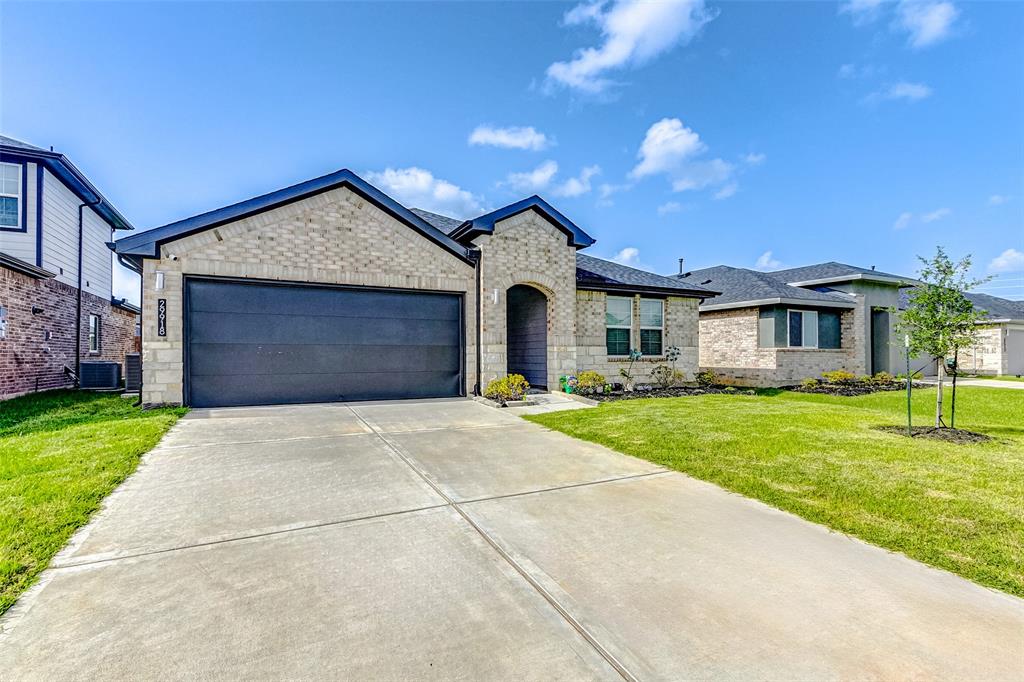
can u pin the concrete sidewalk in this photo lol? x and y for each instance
(450, 540)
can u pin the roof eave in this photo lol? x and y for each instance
(806, 303)
(24, 267)
(642, 289)
(899, 281)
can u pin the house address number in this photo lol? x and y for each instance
(161, 317)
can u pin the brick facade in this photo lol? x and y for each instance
(988, 355)
(680, 329)
(29, 361)
(527, 249)
(729, 347)
(336, 237)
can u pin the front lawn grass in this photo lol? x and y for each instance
(61, 453)
(957, 507)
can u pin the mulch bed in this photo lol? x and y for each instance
(853, 389)
(939, 433)
(675, 392)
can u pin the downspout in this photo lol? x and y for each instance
(135, 267)
(477, 257)
(78, 298)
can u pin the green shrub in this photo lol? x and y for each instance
(667, 377)
(883, 378)
(589, 381)
(512, 387)
(730, 389)
(809, 382)
(706, 377)
(839, 376)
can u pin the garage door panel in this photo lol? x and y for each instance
(227, 391)
(270, 328)
(213, 359)
(221, 297)
(252, 343)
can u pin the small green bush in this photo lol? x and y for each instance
(838, 376)
(706, 377)
(667, 377)
(589, 381)
(512, 387)
(883, 378)
(809, 382)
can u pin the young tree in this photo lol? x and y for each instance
(940, 319)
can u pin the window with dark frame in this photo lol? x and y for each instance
(10, 195)
(618, 323)
(94, 333)
(652, 325)
(803, 329)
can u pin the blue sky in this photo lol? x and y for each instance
(752, 134)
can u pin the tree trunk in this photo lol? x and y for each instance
(940, 373)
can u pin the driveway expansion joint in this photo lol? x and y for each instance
(516, 566)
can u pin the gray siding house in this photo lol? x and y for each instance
(332, 290)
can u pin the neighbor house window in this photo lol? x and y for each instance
(618, 322)
(652, 325)
(10, 195)
(803, 329)
(94, 333)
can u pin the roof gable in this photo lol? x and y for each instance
(62, 168)
(832, 271)
(485, 224)
(147, 244)
(600, 274)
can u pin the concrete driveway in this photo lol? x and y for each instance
(450, 540)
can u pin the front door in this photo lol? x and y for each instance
(527, 329)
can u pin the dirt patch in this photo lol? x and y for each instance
(939, 433)
(674, 392)
(853, 389)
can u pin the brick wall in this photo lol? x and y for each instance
(527, 249)
(986, 356)
(728, 346)
(336, 237)
(680, 330)
(30, 361)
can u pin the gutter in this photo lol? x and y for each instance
(799, 302)
(78, 297)
(477, 257)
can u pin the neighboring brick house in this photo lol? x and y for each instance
(777, 328)
(331, 290)
(41, 193)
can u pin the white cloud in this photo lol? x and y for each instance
(903, 221)
(911, 92)
(628, 256)
(766, 262)
(532, 181)
(701, 174)
(634, 32)
(670, 207)
(937, 214)
(861, 11)
(574, 187)
(606, 190)
(514, 137)
(848, 71)
(997, 199)
(754, 159)
(1010, 260)
(926, 23)
(666, 145)
(727, 191)
(418, 187)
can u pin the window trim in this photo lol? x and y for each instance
(19, 197)
(94, 338)
(660, 328)
(802, 345)
(628, 327)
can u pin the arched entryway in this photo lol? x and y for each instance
(526, 324)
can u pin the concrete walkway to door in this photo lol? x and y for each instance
(450, 540)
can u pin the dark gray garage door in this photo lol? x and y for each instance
(253, 343)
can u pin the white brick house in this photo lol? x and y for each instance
(331, 290)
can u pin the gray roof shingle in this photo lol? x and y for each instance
(829, 270)
(18, 144)
(603, 274)
(995, 308)
(740, 285)
(441, 222)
